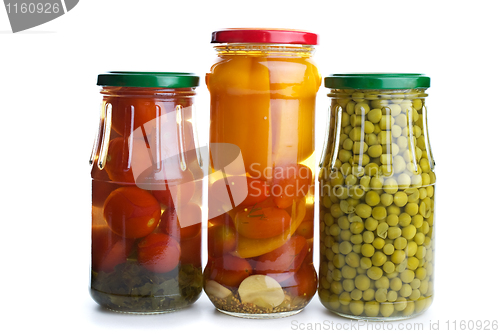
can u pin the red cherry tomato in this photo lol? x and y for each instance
(258, 222)
(306, 229)
(169, 224)
(127, 111)
(224, 219)
(221, 239)
(131, 212)
(290, 183)
(189, 237)
(286, 258)
(303, 283)
(190, 218)
(191, 249)
(228, 270)
(158, 252)
(243, 191)
(178, 189)
(138, 169)
(108, 249)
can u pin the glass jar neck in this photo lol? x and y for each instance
(153, 92)
(256, 49)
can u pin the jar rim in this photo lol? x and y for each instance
(148, 79)
(377, 81)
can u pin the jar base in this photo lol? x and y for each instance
(377, 319)
(136, 305)
(276, 315)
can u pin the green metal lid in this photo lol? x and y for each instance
(148, 79)
(377, 81)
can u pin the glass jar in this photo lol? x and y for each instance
(377, 198)
(263, 88)
(146, 194)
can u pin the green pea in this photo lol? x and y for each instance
(391, 186)
(379, 243)
(396, 284)
(374, 115)
(405, 290)
(367, 250)
(368, 237)
(393, 232)
(382, 230)
(374, 273)
(348, 285)
(412, 208)
(400, 243)
(381, 296)
(413, 263)
(335, 211)
(365, 263)
(415, 294)
(404, 181)
(372, 308)
(348, 272)
(389, 267)
(409, 232)
(400, 199)
(386, 199)
(372, 198)
(404, 219)
(356, 294)
(352, 259)
(345, 247)
(407, 276)
(362, 282)
(369, 127)
(356, 307)
(363, 210)
(371, 224)
(379, 258)
(398, 256)
(345, 298)
(375, 151)
(357, 227)
(392, 296)
(382, 283)
(415, 284)
(388, 249)
(379, 213)
(411, 248)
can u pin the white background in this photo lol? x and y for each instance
(49, 115)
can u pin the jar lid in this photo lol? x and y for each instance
(271, 36)
(148, 79)
(377, 81)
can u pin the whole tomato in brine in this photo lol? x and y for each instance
(108, 248)
(158, 252)
(128, 114)
(290, 183)
(131, 212)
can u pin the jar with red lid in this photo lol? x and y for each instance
(146, 194)
(263, 88)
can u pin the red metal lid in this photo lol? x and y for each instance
(272, 36)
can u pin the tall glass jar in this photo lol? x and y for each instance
(377, 198)
(146, 194)
(263, 87)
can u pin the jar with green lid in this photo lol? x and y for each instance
(377, 199)
(146, 194)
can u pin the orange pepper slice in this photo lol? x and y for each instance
(247, 247)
